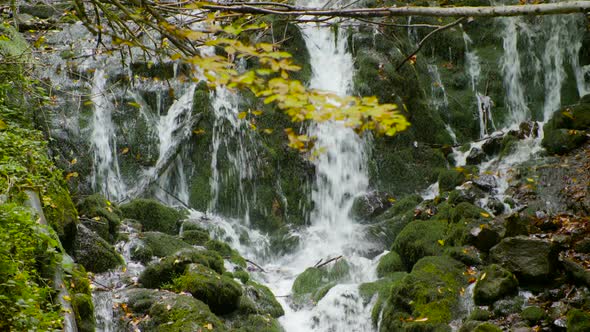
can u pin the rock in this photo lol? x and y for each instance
(101, 228)
(574, 268)
(476, 156)
(562, 141)
(486, 182)
(84, 312)
(492, 146)
(485, 236)
(528, 129)
(578, 321)
(419, 239)
(158, 244)
(93, 252)
(430, 290)
(369, 205)
(495, 205)
(493, 284)
(256, 323)
(468, 211)
(379, 288)
(516, 225)
(390, 263)
(153, 215)
(159, 273)
(508, 306)
(169, 312)
(533, 314)
(258, 299)
(314, 283)
(448, 179)
(195, 237)
(487, 327)
(467, 255)
(531, 259)
(219, 292)
(458, 196)
(480, 314)
(101, 212)
(401, 207)
(583, 246)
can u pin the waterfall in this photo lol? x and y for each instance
(106, 177)
(440, 100)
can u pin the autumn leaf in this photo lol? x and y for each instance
(74, 161)
(125, 151)
(71, 175)
(242, 115)
(441, 242)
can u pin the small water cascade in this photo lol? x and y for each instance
(106, 176)
(484, 102)
(439, 98)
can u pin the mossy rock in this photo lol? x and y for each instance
(562, 141)
(467, 210)
(381, 288)
(258, 299)
(480, 314)
(226, 252)
(61, 215)
(159, 273)
(153, 215)
(401, 207)
(93, 252)
(578, 321)
(533, 314)
(494, 283)
(419, 239)
(432, 290)
(257, 323)
(170, 312)
(219, 292)
(487, 327)
(158, 244)
(314, 283)
(195, 237)
(97, 208)
(390, 263)
(448, 179)
(84, 312)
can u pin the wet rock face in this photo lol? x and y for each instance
(494, 283)
(529, 258)
(486, 182)
(370, 205)
(93, 252)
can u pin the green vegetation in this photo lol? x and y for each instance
(153, 215)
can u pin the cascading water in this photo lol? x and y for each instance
(106, 177)
(440, 100)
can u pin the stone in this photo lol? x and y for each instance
(448, 179)
(93, 252)
(493, 284)
(390, 263)
(258, 299)
(492, 146)
(562, 141)
(495, 205)
(578, 321)
(485, 236)
(531, 259)
(533, 314)
(314, 283)
(153, 215)
(476, 156)
(419, 239)
(369, 205)
(575, 269)
(486, 182)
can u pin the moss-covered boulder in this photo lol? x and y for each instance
(93, 252)
(153, 215)
(565, 130)
(256, 323)
(101, 211)
(314, 283)
(578, 321)
(390, 263)
(258, 299)
(368, 206)
(533, 314)
(219, 292)
(380, 288)
(431, 291)
(419, 239)
(157, 244)
(226, 252)
(170, 312)
(164, 271)
(448, 179)
(494, 283)
(561, 141)
(195, 237)
(84, 312)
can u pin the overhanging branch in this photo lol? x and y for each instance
(487, 11)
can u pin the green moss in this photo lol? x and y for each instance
(450, 178)
(498, 282)
(487, 327)
(467, 210)
(257, 323)
(153, 215)
(84, 312)
(533, 314)
(160, 244)
(97, 206)
(243, 276)
(402, 206)
(578, 321)
(381, 288)
(314, 283)
(258, 299)
(390, 263)
(418, 239)
(195, 237)
(431, 290)
(226, 251)
(93, 252)
(561, 141)
(219, 292)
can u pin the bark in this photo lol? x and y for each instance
(487, 11)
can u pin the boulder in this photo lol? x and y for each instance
(485, 236)
(369, 205)
(219, 292)
(258, 299)
(578, 321)
(562, 141)
(448, 179)
(390, 263)
(153, 215)
(492, 146)
(486, 182)
(533, 314)
(475, 156)
(93, 252)
(419, 239)
(158, 244)
(494, 283)
(313, 284)
(531, 259)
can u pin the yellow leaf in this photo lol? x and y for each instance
(71, 175)
(198, 131)
(423, 319)
(96, 218)
(67, 298)
(242, 115)
(441, 242)
(125, 151)
(209, 326)
(483, 276)
(530, 180)
(175, 56)
(485, 215)
(3, 125)
(134, 104)
(391, 199)
(74, 161)
(257, 113)
(267, 131)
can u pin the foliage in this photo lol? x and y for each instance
(26, 299)
(219, 44)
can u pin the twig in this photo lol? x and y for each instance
(318, 262)
(258, 266)
(174, 196)
(328, 261)
(421, 43)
